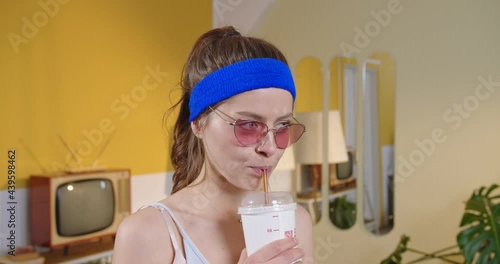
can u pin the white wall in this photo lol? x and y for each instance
(149, 188)
(18, 223)
(442, 50)
(243, 15)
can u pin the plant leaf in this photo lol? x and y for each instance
(343, 212)
(480, 237)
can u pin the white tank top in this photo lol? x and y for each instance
(193, 254)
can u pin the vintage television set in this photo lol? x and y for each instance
(77, 207)
(345, 170)
(342, 174)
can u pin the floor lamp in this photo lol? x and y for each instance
(309, 149)
(281, 177)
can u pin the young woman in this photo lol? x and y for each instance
(234, 123)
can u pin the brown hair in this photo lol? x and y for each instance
(213, 50)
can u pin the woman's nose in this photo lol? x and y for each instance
(267, 146)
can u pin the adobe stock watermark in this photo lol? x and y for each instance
(40, 19)
(372, 28)
(121, 106)
(324, 248)
(454, 116)
(223, 6)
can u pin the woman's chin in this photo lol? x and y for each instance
(251, 186)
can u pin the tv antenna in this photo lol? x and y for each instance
(80, 168)
(106, 144)
(71, 151)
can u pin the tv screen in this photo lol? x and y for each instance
(84, 207)
(344, 170)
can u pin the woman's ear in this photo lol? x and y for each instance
(195, 126)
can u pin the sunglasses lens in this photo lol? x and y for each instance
(288, 135)
(249, 132)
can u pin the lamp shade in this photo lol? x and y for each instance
(287, 161)
(309, 149)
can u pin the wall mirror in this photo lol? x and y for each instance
(366, 117)
(325, 144)
(378, 77)
(343, 175)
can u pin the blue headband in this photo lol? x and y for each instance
(237, 78)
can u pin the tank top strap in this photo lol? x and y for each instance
(193, 254)
(178, 255)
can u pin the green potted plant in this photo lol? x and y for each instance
(342, 212)
(479, 239)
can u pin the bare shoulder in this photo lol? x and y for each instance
(303, 218)
(304, 227)
(143, 238)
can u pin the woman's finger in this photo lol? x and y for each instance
(293, 255)
(273, 249)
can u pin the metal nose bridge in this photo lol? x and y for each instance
(264, 134)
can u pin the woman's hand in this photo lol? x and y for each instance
(281, 251)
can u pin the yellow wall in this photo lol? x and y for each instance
(309, 83)
(336, 85)
(441, 51)
(336, 80)
(386, 97)
(83, 68)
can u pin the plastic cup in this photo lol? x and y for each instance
(263, 224)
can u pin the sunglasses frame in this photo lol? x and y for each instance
(274, 130)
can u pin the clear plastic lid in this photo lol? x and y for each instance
(255, 203)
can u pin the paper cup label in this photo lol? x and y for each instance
(262, 229)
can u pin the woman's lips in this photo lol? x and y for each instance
(259, 170)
